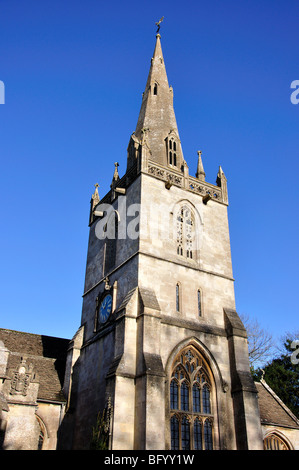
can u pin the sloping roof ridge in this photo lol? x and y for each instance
(33, 344)
(32, 356)
(33, 334)
(279, 401)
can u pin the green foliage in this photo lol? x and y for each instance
(282, 375)
(100, 433)
(256, 373)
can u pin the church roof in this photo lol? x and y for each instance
(47, 355)
(272, 410)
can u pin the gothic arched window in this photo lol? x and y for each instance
(172, 152)
(191, 413)
(275, 442)
(41, 433)
(185, 232)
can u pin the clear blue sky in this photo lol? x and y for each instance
(74, 72)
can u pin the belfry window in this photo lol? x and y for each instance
(185, 232)
(155, 89)
(191, 414)
(172, 152)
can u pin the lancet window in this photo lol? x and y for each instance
(172, 152)
(185, 232)
(191, 413)
(177, 297)
(199, 303)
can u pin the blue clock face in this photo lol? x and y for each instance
(105, 308)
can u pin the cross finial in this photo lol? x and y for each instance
(159, 23)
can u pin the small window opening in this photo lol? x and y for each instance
(199, 303)
(177, 297)
(155, 89)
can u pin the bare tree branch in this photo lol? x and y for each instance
(261, 345)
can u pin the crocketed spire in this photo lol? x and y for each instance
(157, 115)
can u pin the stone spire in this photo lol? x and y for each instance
(157, 115)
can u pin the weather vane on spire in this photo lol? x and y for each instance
(159, 23)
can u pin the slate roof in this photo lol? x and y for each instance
(47, 354)
(272, 409)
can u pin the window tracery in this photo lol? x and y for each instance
(274, 442)
(191, 414)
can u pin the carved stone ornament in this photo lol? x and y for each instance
(107, 283)
(200, 187)
(21, 379)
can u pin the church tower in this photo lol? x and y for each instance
(161, 347)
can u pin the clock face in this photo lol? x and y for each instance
(105, 308)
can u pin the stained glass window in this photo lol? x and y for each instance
(190, 402)
(206, 399)
(208, 435)
(174, 395)
(197, 434)
(185, 430)
(175, 433)
(196, 398)
(274, 442)
(184, 397)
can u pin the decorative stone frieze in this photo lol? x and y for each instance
(199, 187)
